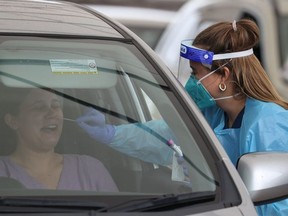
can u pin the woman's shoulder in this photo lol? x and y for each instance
(258, 111)
(262, 107)
(264, 127)
(265, 113)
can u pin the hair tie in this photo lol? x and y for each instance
(234, 26)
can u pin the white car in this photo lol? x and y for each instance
(147, 23)
(83, 60)
(271, 16)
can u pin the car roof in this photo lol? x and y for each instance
(56, 18)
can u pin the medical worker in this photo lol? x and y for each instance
(229, 85)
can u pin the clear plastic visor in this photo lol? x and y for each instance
(188, 53)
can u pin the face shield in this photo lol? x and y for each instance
(188, 53)
(194, 87)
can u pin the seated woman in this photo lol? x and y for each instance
(35, 118)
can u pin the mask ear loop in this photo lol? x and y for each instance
(224, 88)
(199, 81)
(227, 97)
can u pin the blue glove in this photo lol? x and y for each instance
(93, 123)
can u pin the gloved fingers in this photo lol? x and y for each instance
(92, 117)
(86, 127)
(104, 134)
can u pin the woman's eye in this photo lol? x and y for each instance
(44, 107)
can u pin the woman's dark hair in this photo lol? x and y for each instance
(10, 101)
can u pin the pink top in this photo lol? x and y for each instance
(80, 172)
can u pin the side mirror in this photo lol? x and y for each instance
(265, 175)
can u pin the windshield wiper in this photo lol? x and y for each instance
(163, 203)
(50, 203)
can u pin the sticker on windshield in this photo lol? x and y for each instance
(73, 66)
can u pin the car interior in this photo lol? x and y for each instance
(111, 91)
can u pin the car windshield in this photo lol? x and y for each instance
(114, 78)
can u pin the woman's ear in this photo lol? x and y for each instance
(11, 121)
(226, 74)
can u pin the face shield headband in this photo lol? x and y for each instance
(205, 57)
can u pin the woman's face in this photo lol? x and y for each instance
(211, 82)
(39, 121)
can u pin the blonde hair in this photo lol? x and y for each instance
(248, 73)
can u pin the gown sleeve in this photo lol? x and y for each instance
(146, 141)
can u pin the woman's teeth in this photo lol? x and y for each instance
(50, 127)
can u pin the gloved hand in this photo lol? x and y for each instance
(93, 123)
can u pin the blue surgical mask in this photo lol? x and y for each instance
(198, 93)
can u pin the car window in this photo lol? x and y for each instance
(106, 76)
(114, 78)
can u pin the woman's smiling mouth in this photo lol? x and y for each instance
(50, 127)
